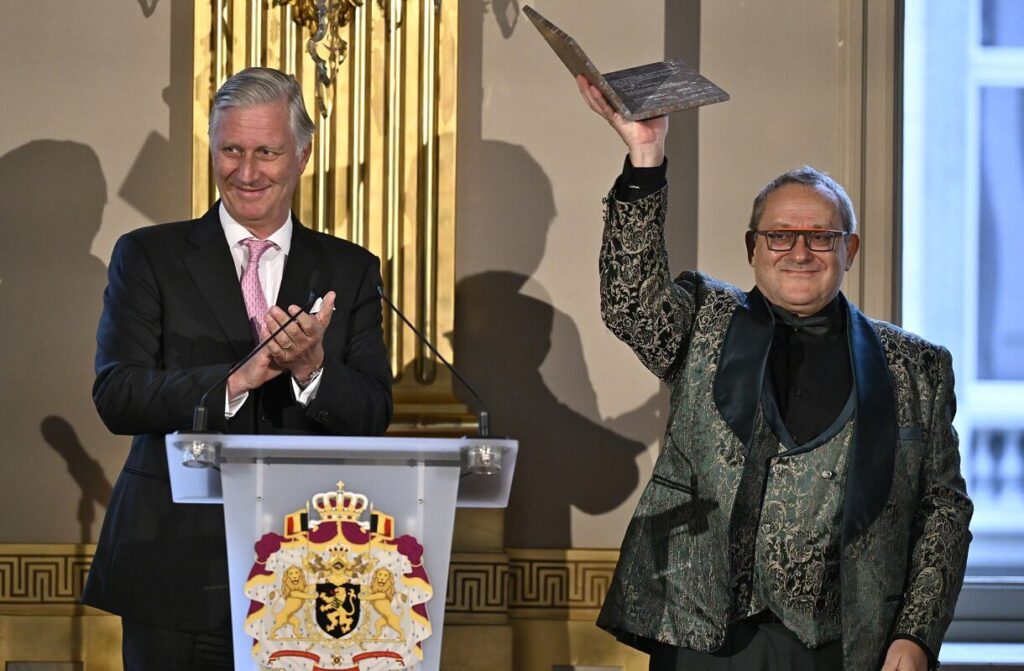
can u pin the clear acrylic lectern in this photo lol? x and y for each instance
(262, 479)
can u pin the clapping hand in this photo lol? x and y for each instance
(299, 348)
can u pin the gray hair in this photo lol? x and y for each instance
(811, 177)
(258, 86)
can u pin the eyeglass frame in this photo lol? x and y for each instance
(805, 234)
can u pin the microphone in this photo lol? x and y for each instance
(199, 414)
(483, 417)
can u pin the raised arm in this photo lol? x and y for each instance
(640, 303)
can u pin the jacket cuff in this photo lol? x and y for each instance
(636, 183)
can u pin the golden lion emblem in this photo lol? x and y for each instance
(295, 592)
(380, 594)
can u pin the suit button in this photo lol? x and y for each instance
(323, 416)
(263, 417)
(828, 475)
(776, 469)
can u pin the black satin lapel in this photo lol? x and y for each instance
(872, 457)
(213, 271)
(741, 365)
(303, 261)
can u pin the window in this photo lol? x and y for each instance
(963, 241)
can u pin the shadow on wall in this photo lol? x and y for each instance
(506, 14)
(52, 196)
(158, 183)
(148, 7)
(569, 456)
(85, 471)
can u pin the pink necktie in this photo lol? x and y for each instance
(252, 289)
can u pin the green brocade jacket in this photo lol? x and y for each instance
(905, 512)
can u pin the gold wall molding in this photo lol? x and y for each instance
(382, 171)
(559, 584)
(477, 588)
(43, 574)
(520, 609)
(523, 583)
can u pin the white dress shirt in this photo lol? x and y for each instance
(271, 272)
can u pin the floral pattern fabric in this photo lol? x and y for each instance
(900, 577)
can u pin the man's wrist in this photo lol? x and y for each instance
(306, 371)
(307, 378)
(931, 660)
(647, 155)
(235, 387)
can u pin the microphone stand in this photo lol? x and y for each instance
(483, 416)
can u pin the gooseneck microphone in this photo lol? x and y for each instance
(199, 415)
(483, 420)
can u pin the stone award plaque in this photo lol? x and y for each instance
(636, 93)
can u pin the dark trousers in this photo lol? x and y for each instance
(147, 647)
(751, 646)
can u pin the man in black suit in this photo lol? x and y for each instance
(185, 301)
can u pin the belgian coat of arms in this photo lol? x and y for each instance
(339, 593)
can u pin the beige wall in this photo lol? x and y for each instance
(94, 141)
(93, 98)
(811, 83)
(534, 163)
(780, 63)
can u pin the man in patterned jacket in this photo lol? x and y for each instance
(807, 510)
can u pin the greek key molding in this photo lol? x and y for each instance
(43, 574)
(477, 584)
(567, 584)
(554, 582)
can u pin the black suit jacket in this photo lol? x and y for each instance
(173, 322)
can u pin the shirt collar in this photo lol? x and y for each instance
(235, 232)
(828, 320)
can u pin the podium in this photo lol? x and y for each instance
(261, 479)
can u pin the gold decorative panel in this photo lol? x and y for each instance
(477, 588)
(43, 574)
(559, 584)
(382, 171)
(548, 598)
(529, 584)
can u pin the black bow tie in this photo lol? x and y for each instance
(816, 325)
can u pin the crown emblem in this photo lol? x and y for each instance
(340, 506)
(338, 591)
